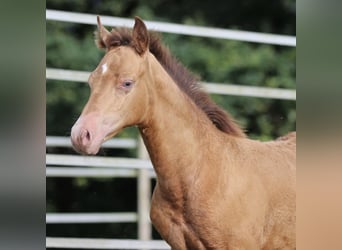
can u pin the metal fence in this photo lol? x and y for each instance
(213, 88)
(105, 167)
(246, 36)
(57, 242)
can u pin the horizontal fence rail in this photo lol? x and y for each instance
(97, 161)
(58, 218)
(86, 243)
(251, 91)
(213, 88)
(74, 172)
(246, 36)
(63, 141)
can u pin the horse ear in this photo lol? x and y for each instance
(140, 36)
(101, 35)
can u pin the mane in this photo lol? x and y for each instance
(187, 81)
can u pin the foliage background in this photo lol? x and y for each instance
(71, 46)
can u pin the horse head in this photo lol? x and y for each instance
(118, 94)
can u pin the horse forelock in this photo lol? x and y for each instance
(187, 81)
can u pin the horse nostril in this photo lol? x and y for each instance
(85, 137)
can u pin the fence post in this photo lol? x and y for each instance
(144, 191)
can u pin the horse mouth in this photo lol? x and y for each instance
(91, 148)
(94, 146)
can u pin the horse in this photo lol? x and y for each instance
(216, 188)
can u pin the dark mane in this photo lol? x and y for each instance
(186, 81)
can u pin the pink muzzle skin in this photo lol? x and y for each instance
(88, 134)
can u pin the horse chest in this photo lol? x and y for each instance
(176, 232)
(180, 233)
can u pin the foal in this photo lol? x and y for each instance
(216, 189)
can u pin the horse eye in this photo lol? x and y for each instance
(127, 84)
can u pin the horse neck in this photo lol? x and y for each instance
(175, 130)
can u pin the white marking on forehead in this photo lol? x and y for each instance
(104, 68)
